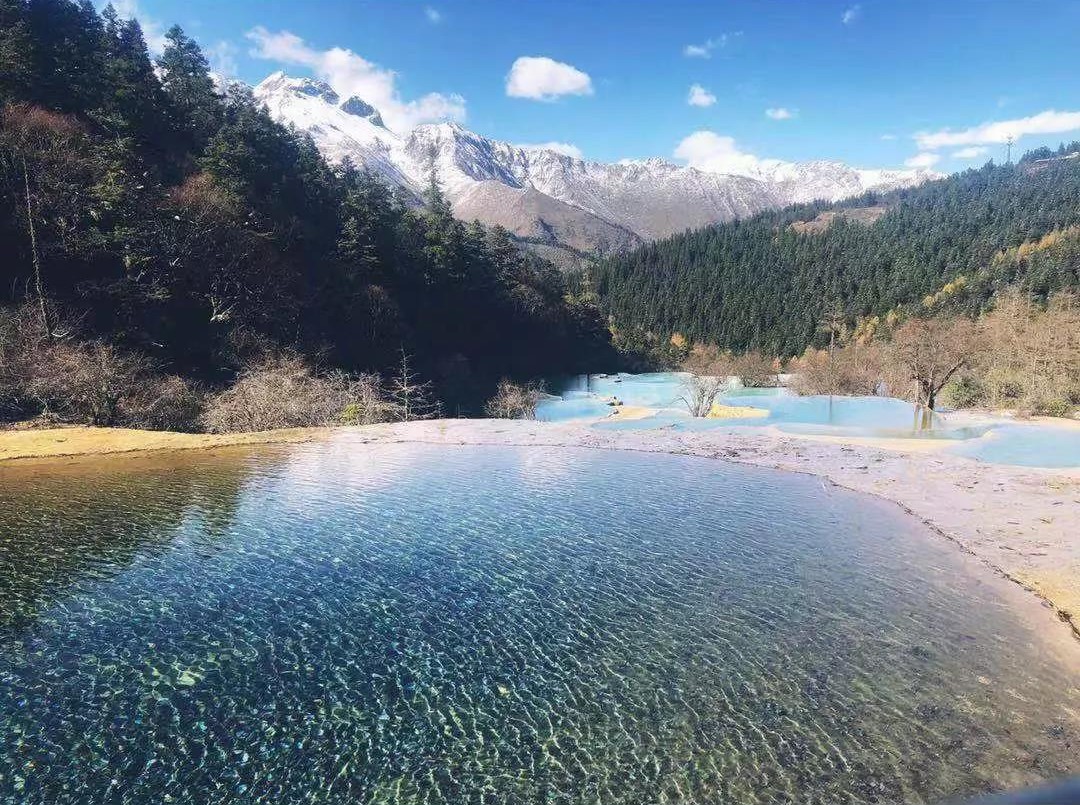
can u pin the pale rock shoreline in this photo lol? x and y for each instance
(1023, 523)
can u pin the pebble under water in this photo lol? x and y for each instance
(350, 623)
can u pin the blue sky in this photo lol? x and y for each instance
(843, 80)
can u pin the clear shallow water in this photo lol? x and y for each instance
(1025, 445)
(998, 442)
(347, 623)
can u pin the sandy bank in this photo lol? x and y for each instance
(84, 441)
(1022, 522)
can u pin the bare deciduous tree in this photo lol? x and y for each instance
(412, 397)
(755, 370)
(851, 369)
(929, 352)
(709, 370)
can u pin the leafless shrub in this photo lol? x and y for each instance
(514, 401)
(166, 403)
(709, 370)
(90, 382)
(24, 340)
(368, 401)
(284, 392)
(852, 369)
(755, 370)
(12, 363)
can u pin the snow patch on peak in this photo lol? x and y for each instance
(279, 82)
(339, 131)
(360, 108)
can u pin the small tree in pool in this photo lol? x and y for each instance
(709, 370)
(929, 352)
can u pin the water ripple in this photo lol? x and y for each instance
(346, 623)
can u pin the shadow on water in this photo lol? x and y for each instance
(84, 521)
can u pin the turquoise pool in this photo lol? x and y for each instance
(1025, 445)
(346, 623)
(999, 441)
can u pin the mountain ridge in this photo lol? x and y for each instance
(777, 281)
(590, 206)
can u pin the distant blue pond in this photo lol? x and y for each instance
(1002, 442)
(1025, 445)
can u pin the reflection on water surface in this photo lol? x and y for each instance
(348, 623)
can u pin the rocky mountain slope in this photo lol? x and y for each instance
(570, 207)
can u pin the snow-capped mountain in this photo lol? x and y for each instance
(550, 198)
(349, 128)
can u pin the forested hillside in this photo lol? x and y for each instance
(769, 282)
(143, 207)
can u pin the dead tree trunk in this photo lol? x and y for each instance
(39, 284)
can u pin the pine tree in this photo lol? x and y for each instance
(185, 78)
(15, 51)
(134, 104)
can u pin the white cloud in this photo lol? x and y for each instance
(971, 152)
(222, 58)
(566, 149)
(1048, 122)
(851, 14)
(434, 16)
(923, 160)
(544, 79)
(350, 74)
(153, 31)
(888, 137)
(780, 113)
(716, 153)
(699, 96)
(706, 48)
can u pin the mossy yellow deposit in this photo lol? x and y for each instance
(736, 412)
(85, 441)
(632, 411)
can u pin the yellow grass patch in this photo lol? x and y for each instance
(85, 441)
